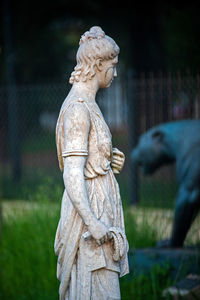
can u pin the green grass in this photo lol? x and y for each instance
(139, 232)
(146, 287)
(28, 262)
(27, 257)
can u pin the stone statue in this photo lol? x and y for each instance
(90, 241)
(179, 142)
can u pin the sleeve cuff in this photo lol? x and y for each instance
(75, 153)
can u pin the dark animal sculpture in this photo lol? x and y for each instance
(178, 142)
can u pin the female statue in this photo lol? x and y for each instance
(90, 240)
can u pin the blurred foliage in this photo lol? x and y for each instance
(37, 186)
(181, 31)
(48, 186)
(50, 53)
(161, 35)
(27, 256)
(147, 286)
(48, 191)
(39, 141)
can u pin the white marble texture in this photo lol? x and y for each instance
(90, 241)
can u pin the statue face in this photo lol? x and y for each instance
(108, 72)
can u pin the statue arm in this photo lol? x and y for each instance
(76, 133)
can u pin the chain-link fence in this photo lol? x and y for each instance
(27, 131)
(159, 99)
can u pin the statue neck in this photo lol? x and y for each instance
(86, 90)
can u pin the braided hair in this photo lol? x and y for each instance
(93, 45)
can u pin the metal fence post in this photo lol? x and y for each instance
(133, 124)
(13, 115)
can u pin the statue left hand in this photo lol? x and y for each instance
(117, 161)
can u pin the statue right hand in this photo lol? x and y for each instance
(99, 232)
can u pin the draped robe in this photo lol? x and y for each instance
(80, 261)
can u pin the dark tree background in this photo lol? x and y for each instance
(39, 40)
(158, 35)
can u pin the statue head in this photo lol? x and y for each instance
(95, 49)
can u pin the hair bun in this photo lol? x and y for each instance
(95, 33)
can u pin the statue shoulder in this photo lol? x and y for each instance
(76, 110)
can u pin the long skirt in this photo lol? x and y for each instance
(100, 279)
(101, 284)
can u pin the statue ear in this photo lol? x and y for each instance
(158, 135)
(99, 64)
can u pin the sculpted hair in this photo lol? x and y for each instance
(94, 45)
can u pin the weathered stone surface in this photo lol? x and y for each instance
(90, 241)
